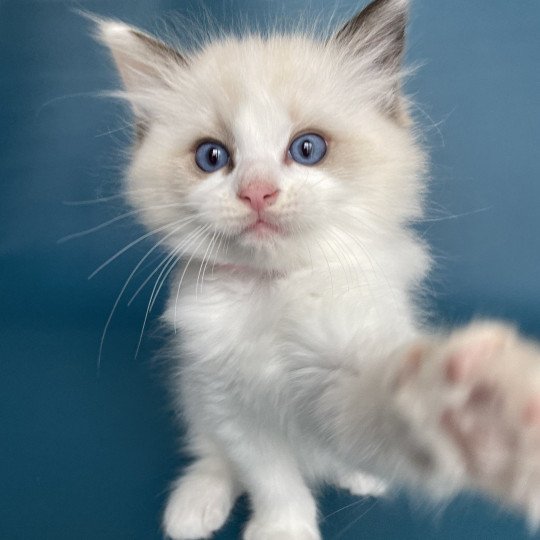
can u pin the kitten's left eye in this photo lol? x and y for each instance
(308, 149)
(211, 156)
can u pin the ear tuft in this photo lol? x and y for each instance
(141, 60)
(146, 65)
(111, 30)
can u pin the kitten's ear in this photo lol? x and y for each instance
(141, 60)
(144, 63)
(376, 35)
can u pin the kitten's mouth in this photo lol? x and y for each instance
(262, 227)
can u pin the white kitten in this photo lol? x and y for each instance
(285, 171)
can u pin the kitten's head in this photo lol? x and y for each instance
(266, 144)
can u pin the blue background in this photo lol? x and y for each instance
(89, 454)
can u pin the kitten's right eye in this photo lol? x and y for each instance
(308, 149)
(211, 156)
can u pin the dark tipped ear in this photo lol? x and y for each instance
(141, 60)
(376, 36)
(378, 30)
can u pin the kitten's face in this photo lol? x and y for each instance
(272, 202)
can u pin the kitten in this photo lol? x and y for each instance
(285, 170)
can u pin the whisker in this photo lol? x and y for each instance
(130, 245)
(358, 502)
(95, 201)
(130, 277)
(121, 195)
(64, 97)
(348, 527)
(372, 263)
(164, 262)
(166, 268)
(114, 220)
(433, 123)
(162, 278)
(127, 127)
(454, 216)
(345, 251)
(204, 230)
(345, 231)
(221, 236)
(178, 253)
(161, 264)
(212, 243)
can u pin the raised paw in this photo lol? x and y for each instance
(474, 402)
(198, 506)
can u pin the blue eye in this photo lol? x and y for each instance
(211, 156)
(308, 149)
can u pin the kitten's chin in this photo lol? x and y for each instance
(265, 247)
(261, 234)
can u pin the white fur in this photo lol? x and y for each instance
(289, 345)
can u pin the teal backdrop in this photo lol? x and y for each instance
(88, 453)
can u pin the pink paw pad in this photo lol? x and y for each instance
(474, 351)
(461, 366)
(531, 412)
(412, 364)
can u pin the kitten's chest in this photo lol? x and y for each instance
(257, 327)
(231, 319)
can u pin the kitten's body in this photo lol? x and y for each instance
(254, 340)
(301, 353)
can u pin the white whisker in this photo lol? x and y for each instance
(454, 216)
(128, 280)
(164, 262)
(221, 237)
(356, 520)
(212, 243)
(358, 502)
(116, 196)
(114, 220)
(135, 242)
(176, 255)
(184, 273)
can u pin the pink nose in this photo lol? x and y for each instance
(259, 195)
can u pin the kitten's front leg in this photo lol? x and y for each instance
(202, 497)
(474, 400)
(283, 506)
